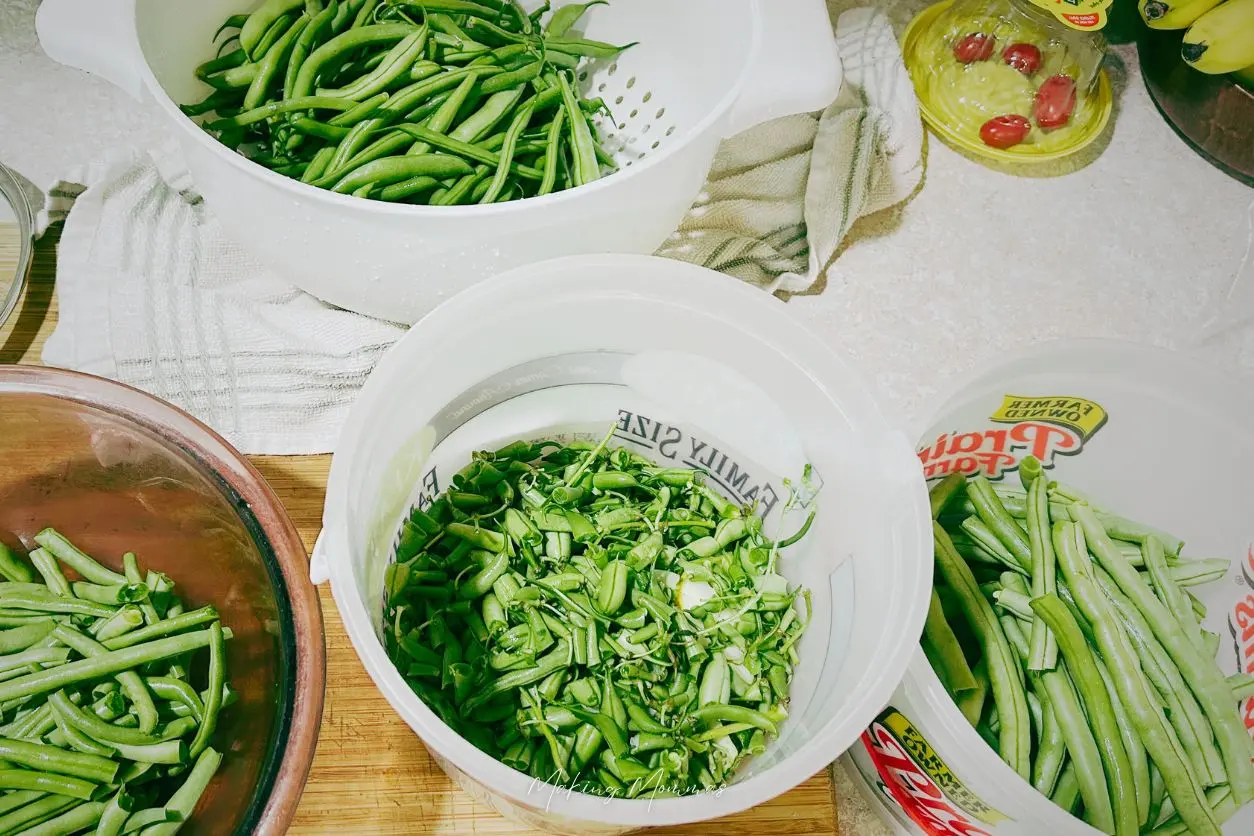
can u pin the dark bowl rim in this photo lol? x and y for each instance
(263, 514)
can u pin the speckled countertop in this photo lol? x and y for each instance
(1143, 243)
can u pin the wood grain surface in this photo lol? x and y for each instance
(371, 774)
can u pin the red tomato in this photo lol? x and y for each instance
(1005, 131)
(1023, 57)
(975, 47)
(1055, 101)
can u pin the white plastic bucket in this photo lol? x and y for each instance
(1155, 436)
(650, 345)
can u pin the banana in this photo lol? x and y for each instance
(1174, 14)
(1222, 40)
(1245, 77)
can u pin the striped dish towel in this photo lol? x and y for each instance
(781, 197)
(153, 294)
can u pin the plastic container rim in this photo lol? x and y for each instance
(738, 303)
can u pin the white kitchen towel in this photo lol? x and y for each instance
(153, 294)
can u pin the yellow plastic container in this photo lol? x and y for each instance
(929, 55)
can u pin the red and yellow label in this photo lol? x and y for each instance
(1043, 427)
(1241, 627)
(1085, 15)
(921, 783)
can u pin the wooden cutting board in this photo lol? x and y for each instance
(371, 774)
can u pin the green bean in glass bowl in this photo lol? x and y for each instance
(108, 720)
(596, 621)
(438, 102)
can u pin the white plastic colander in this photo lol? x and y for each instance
(702, 70)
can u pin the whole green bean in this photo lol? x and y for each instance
(106, 664)
(115, 813)
(178, 691)
(67, 735)
(342, 44)
(184, 800)
(12, 800)
(971, 703)
(394, 65)
(1067, 791)
(268, 67)
(1202, 675)
(994, 515)
(394, 169)
(1185, 716)
(94, 727)
(1051, 752)
(318, 26)
(51, 759)
(273, 109)
(1003, 669)
(1134, 692)
(1082, 665)
(65, 551)
(584, 165)
(50, 571)
(464, 149)
(141, 819)
(174, 624)
(1169, 593)
(23, 637)
(130, 681)
(34, 656)
(217, 682)
(984, 538)
(1198, 572)
(42, 808)
(585, 48)
(260, 21)
(12, 568)
(1132, 745)
(1044, 648)
(955, 670)
(494, 110)
(940, 494)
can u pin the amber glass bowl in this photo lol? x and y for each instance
(116, 470)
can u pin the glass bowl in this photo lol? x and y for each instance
(116, 470)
